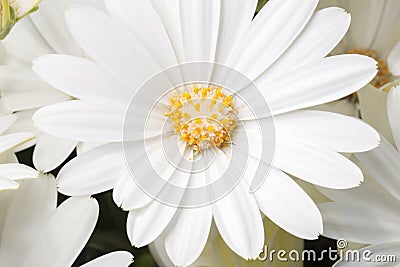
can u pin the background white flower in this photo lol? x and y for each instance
(370, 214)
(282, 50)
(33, 232)
(22, 92)
(10, 170)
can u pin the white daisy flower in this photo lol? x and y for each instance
(370, 214)
(10, 170)
(373, 32)
(22, 91)
(200, 111)
(34, 232)
(12, 11)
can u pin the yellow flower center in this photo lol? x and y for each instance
(202, 116)
(383, 75)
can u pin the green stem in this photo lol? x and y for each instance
(5, 18)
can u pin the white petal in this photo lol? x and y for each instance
(394, 60)
(116, 258)
(16, 171)
(236, 16)
(316, 164)
(383, 164)
(338, 132)
(169, 15)
(364, 224)
(6, 120)
(187, 234)
(90, 82)
(10, 141)
(50, 23)
(98, 35)
(93, 172)
(324, 31)
(319, 82)
(199, 24)
(30, 209)
(275, 27)
(146, 224)
(22, 89)
(82, 121)
(84, 147)
(386, 36)
(7, 184)
(239, 222)
(393, 110)
(51, 151)
(284, 202)
(363, 31)
(70, 225)
(157, 250)
(371, 102)
(135, 14)
(24, 44)
(128, 195)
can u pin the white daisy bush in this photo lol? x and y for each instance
(369, 214)
(198, 107)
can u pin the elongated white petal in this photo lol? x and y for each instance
(199, 24)
(146, 224)
(362, 31)
(91, 82)
(93, 172)
(393, 110)
(82, 121)
(10, 141)
(50, 23)
(386, 38)
(338, 132)
(70, 225)
(129, 57)
(284, 202)
(6, 120)
(275, 27)
(326, 28)
(364, 224)
(383, 255)
(25, 44)
(316, 164)
(22, 89)
(128, 195)
(370, 191)
(51, 151)
(135, 14)
(236, 16)
(16, 171)
(319, 82)
(383, 164)
(239, 222)
(7, 184)
(116, 258)
(169, 15)
(187, 234)
(30, 209)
